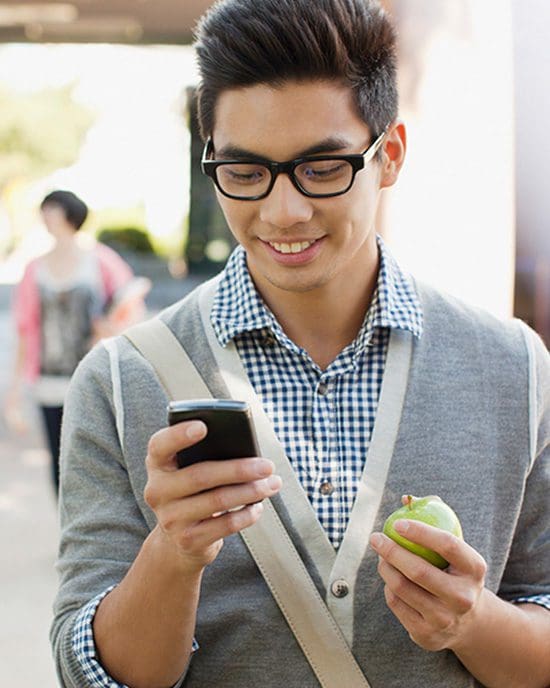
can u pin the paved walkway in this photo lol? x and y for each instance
(28, 542)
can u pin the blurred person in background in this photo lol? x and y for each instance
(68, 299)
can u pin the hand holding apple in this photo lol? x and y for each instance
(439, 609)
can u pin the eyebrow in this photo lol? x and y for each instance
(328, 145)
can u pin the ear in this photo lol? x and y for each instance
(393, 154)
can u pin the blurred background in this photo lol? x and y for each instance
(97, 96)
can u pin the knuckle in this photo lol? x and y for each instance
(480, 568)
(235, 521)
(391, 599)
(197, 477)
(219, 500)
(420, 573)
(450, 547)
(388, 549)
(400, 586)
(153, 446)
(443, 620)
(169, 518)
(151, 495)
(167, 522)
(186, 538)
(464, 601)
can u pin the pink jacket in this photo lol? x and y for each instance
(115, 272)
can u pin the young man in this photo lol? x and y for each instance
(374, 385)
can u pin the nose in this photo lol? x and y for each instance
(285, 206)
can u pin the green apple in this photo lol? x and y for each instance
(431, 510)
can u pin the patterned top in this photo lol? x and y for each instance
(114, 274)
(324, 419)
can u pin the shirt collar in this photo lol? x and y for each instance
(395, 304)
(239, 308)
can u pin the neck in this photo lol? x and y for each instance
(65, 242)
(325, 320)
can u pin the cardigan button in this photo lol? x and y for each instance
(339, 588)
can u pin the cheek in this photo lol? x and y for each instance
(364, 205)
(239, 215)
(351, 215)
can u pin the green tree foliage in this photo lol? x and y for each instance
(40, 132)
(126, 239)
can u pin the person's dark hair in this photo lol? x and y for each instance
(76, 211)
(245, 42)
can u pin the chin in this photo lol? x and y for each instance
(296, 284)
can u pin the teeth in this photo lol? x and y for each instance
(296, 247)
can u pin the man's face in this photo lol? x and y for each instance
(336, 235)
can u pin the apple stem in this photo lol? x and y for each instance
(409, 501)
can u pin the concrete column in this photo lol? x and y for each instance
(532, 81)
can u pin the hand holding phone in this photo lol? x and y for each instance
(201, 504)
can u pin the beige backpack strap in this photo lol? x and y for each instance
(175, 370)
(268, 542)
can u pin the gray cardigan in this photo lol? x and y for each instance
(473, 427)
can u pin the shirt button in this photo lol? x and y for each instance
(322, 388)
(269, 339)
(339, 588)
(326, 488)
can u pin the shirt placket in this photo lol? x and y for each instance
(327, 499)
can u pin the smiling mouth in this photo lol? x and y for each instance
(294, 247)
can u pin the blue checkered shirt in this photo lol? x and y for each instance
(323, 418)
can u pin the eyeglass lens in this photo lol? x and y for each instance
(316, 177)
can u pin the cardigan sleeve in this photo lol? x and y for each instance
(102, 528)
(526, 575)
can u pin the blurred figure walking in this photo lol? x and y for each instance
(61, 308)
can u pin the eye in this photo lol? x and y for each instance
(323, 170)
(242, 173)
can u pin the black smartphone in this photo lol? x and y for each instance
(230, 430)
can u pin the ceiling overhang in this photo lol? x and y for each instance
(100, 21)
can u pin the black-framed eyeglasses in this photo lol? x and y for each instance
(316, 176)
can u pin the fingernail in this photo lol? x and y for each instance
(196, 430)
(376, 540)
(274, 482)
(401, 526)
(264, 467)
